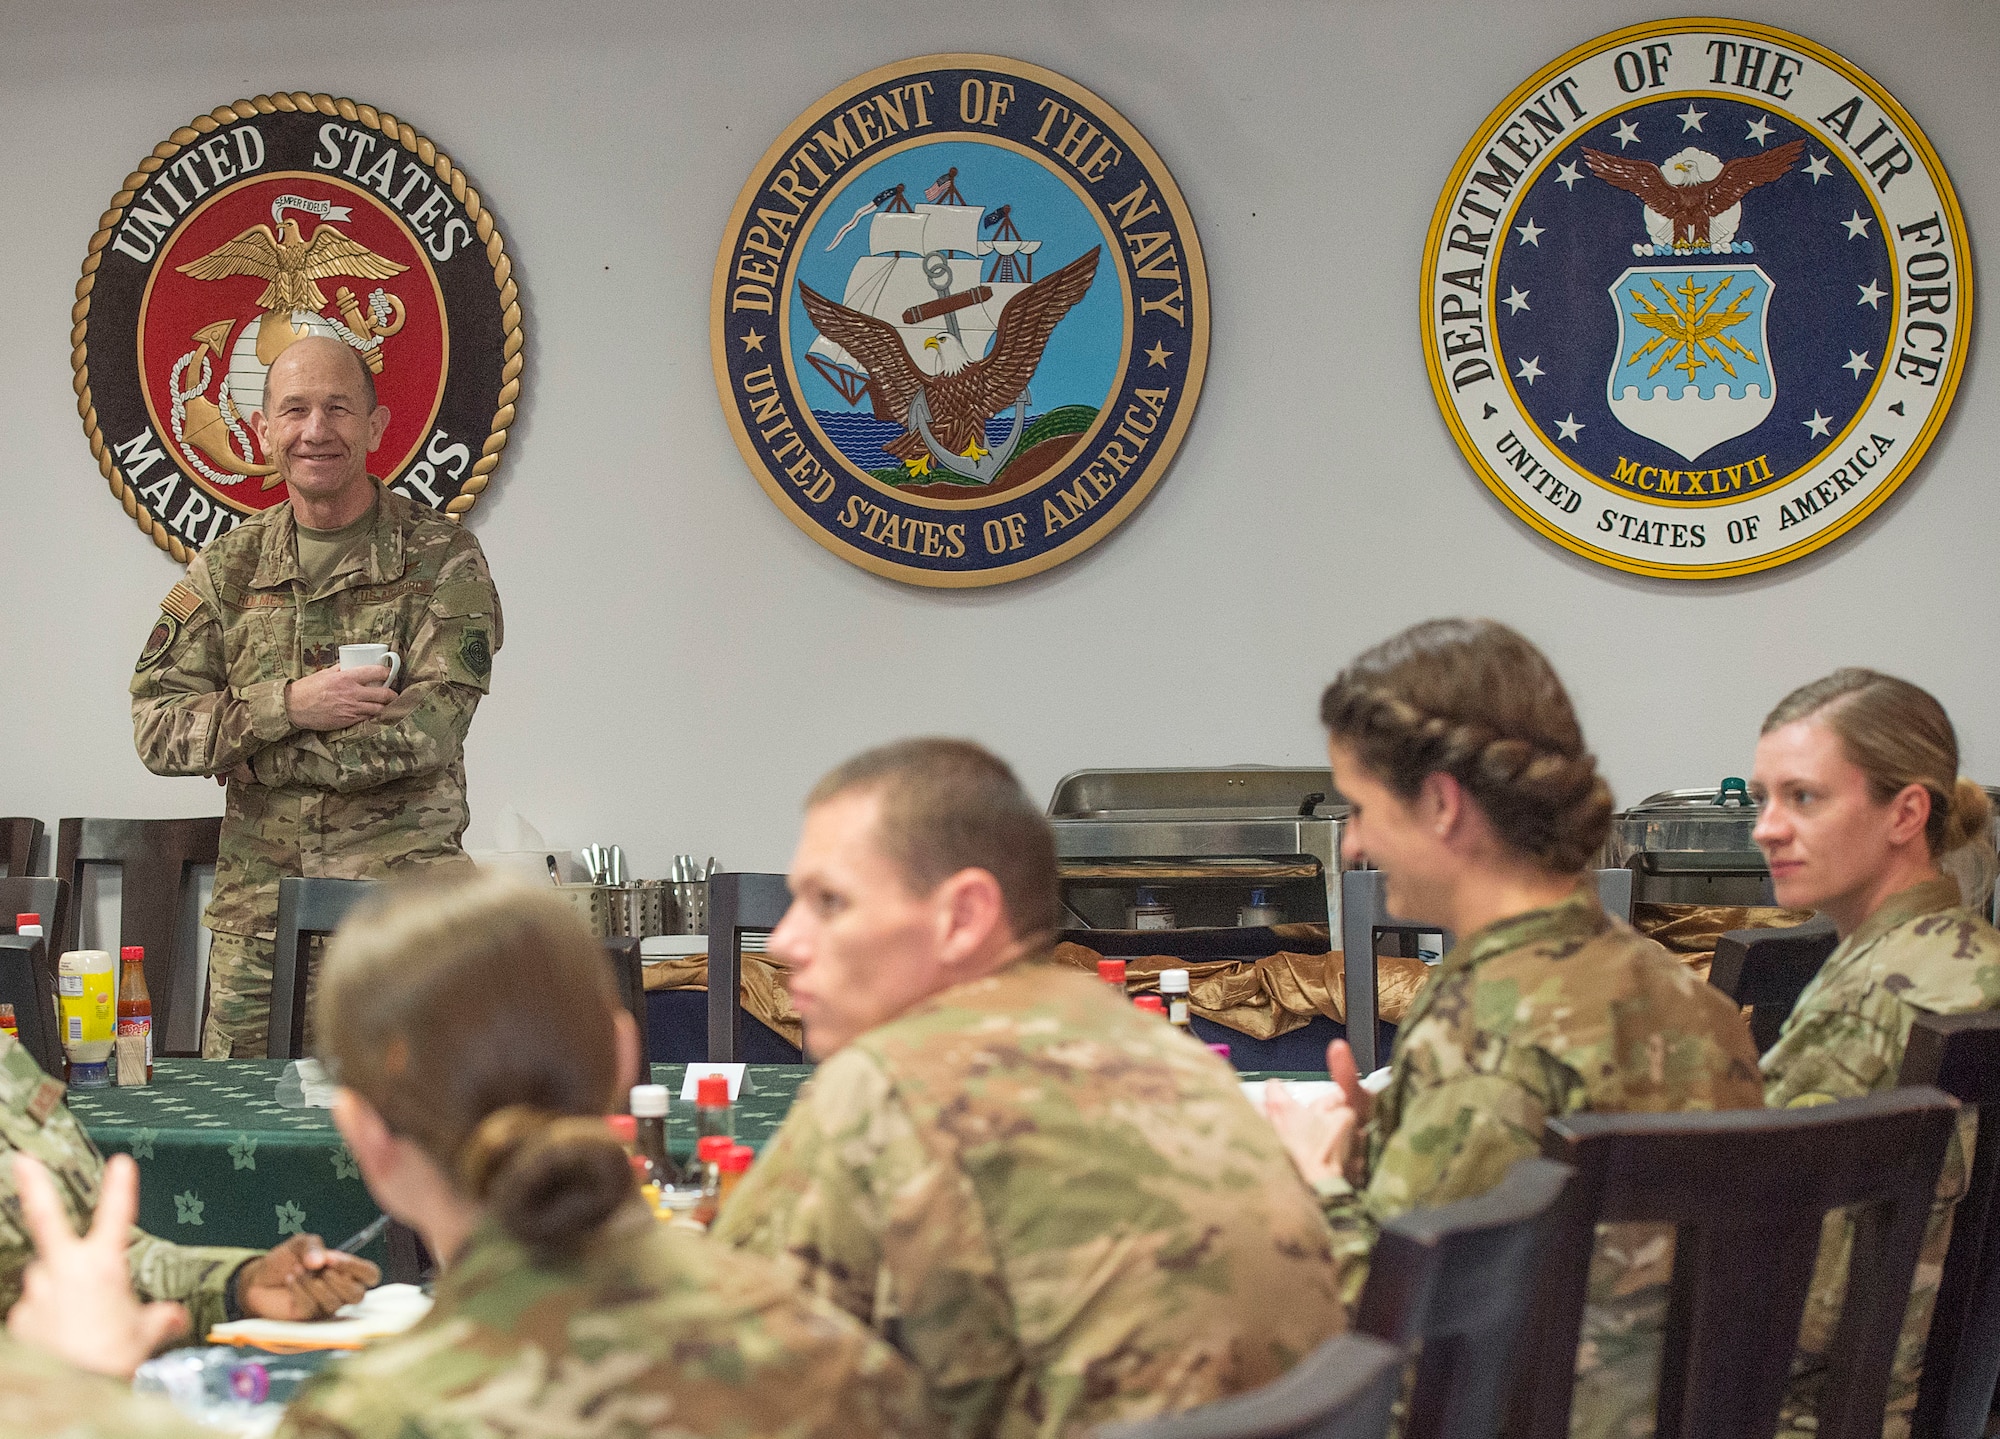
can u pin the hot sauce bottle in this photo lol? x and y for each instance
(135, 1015)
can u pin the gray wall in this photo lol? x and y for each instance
(681, 662)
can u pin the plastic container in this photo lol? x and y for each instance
(733, 1166)
(1174, 995)
(1260, 912)
(649, 1111)
(226, 1386)
(709, 1152)
(28, 925)
(1150, 1003)
(1112, 972)
(87, 995)
(135, 1019)
(713, 1114)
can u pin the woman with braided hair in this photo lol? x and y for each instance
(1864, 817)
(1471, 790)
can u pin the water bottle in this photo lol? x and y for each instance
(217, 1383)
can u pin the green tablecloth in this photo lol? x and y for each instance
(221, 1162)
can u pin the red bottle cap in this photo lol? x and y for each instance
(712, 1091)
(1150, 1003)
(624, 1128)
(21, 920)
(714, 1147)
(642, 1167)
(1111, 971)
(737, 1159)
(132, 951)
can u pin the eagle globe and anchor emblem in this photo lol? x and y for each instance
(960, 320)
(1696, 298)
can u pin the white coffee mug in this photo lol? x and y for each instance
(361, 657)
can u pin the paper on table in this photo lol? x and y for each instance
(1303, 1091)
(695, 1072)
(381, 1313)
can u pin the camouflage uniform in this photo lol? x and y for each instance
(1920, 953)
(34, 1120)
(41, 1397)
(1552, 1012)
(651, 1331)
(357, 803)
(1062, 1210)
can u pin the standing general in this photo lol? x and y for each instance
(330, 772)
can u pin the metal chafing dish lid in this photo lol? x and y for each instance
(1691, 830)
(1233, 792)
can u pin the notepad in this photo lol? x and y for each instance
(381, 1313)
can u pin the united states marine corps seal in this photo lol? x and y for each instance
(256, 225)
(1697, 298)
(960, 320)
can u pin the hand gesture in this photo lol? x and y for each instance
(303, 1279)
(335, 698)
(76, 1298)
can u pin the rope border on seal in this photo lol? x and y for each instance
(292, 102)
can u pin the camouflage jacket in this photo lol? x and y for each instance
(1061, 1209)
(1552, 1012)
(1919, 953)
(34, 1120)
(650, 1332)
(356, 803)
(44, 1398)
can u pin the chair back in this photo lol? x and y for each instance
(1344, 1389)
(738, 903)
(1746, 1191)
(25, 984)
(305, 907)
(628, 972)
(19, 839)
(1454, 1283)
(1364, 913)
(32, 894)
(157, 857)
(1960, 1054)
(1769, 969)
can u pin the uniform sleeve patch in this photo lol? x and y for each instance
(159, 641)
(182, 601)
(44, 1101)
(476, 654)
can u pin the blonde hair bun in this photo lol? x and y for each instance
(1970, 819)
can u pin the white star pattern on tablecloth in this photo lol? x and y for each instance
(1530, 233)
(1691, 118)
(1818, 424)
(1857, 227)
(1569, 426)
(1517, 299)
(1760, 129)
(1628, 134)
(1531, 369)
(1871, 296)
(1567, 177)
(291, 1218)
(1857, 362)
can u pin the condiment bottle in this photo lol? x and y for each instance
(712, 1112)
(86, 990)
(135, 1018)
(733, 1166)
(709, 1152)
(8, 1026)
(1112, 972)
(625, 1129)
(649, 1111)
(28, 925)
(1174, 994)
(1150, 1003)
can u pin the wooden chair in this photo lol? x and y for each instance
(306, 907)
(1364, 913)
(1746, 1190)
(628, 972)
(1454, 1283)
(1344, 1389)
(738, 903)
(156, 857)
(1960, 1054)
(19, 839)
(25, 984)
(1769, 969)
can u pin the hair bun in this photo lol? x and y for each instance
(1970, 817)
(550, 1181)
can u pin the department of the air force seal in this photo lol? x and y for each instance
(960, 320)
(256, 225)
(1696, 298)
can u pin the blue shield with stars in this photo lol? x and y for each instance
(1693, 366)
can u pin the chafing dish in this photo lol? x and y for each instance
(1692, 846)
(1205, 839)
